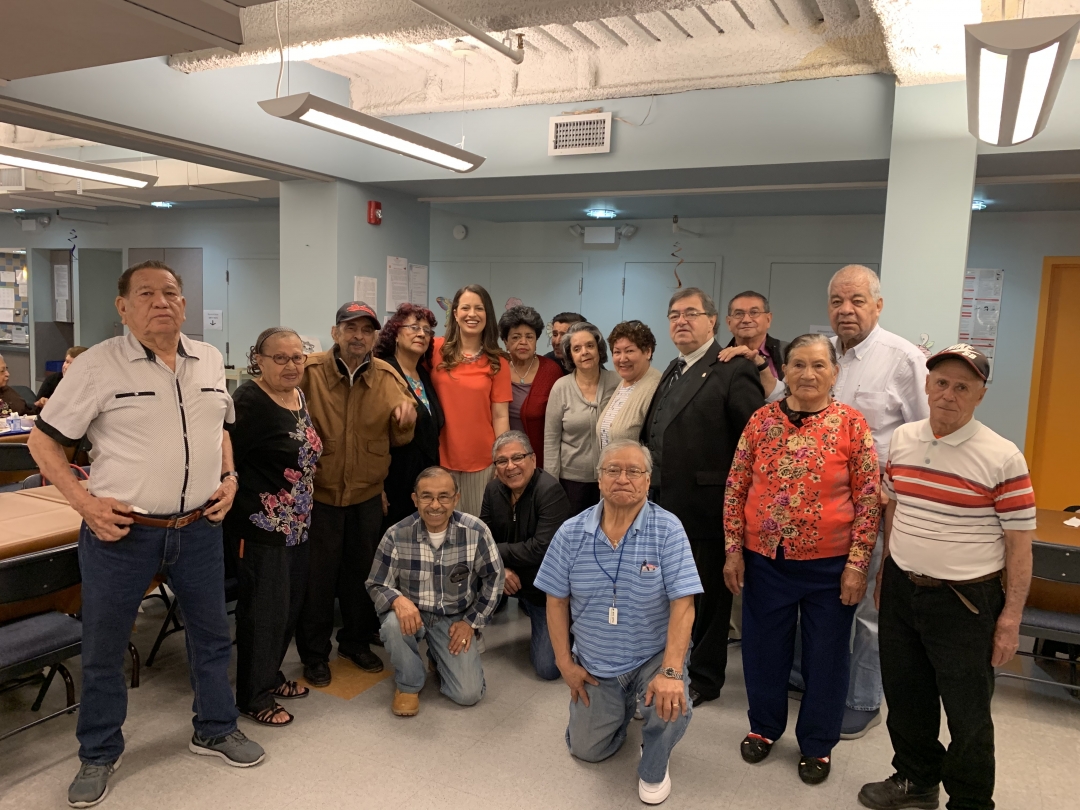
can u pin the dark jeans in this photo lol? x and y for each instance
(114, 578)
(541, 653)
(343, 540)
(712, 620)
(272, 581)
(775, 593)
(935, 651)
(581, 494)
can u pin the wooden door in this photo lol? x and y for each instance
(1053, 441)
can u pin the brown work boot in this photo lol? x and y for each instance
(406, 704)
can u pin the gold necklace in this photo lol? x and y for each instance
(265, 387)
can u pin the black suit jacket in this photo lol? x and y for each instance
(699, 442)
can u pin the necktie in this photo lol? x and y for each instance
(680, 366)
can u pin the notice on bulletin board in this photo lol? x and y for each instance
(980, 310)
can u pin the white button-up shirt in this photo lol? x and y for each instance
(156, 433)
(884, 378)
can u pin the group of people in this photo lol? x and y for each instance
(12, 402)
(422, 480)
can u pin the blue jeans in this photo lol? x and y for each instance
(462, 675)
(114, 578)
(597, 731)
(864, 686)
(541, 653)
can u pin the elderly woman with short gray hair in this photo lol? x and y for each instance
(571, 445)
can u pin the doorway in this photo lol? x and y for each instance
(1053, 442)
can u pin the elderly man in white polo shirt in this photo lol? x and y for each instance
(154, 404)
(961, 513)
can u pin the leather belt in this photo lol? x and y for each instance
(931, 582)
(173, 522)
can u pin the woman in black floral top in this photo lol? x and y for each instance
(275, 449)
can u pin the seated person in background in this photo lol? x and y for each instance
(632, 618)
(53, 380)
(524, 507)
(436, 575)
(10, 401)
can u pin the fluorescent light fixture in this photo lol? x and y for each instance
(601, 213)
(74, 168)
(317, 112)
(1014, 71)
(162, 204)
(18, 210)
(978, 205)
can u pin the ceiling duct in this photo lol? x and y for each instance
(585, 134)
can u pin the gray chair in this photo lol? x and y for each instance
(15, 458)
(26, 393)
(1052, 563)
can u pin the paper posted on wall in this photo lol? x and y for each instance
(980, 311)
(366, 289)
(397, 282)
(418, 282)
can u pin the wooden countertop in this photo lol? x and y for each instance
(34, 520)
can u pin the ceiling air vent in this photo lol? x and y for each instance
(12, 180)
(579, 134)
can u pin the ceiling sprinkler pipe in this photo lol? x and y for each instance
(517, 56)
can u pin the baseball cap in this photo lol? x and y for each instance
(356, 309)
(969, 354)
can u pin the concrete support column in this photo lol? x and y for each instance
(927, 213)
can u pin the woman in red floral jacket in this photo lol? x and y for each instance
(800, 518)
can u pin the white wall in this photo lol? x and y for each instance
(222, 233)
(747, 248)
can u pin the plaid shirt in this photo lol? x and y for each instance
(464, 575)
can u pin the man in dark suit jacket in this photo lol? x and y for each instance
(693, 424)
(748, 320)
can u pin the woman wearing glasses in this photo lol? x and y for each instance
(531, 376)
(405, 342)
(275, 449)
(632, 345)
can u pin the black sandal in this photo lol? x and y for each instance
(294, 691)
(814, 770)
(266, 716)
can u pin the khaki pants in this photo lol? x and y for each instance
(471, 486)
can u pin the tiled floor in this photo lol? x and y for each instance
(506, 752)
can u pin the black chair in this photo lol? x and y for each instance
(1052, 563)
(26, 393)
(1075, 508)
(15, 457)
(173, 618)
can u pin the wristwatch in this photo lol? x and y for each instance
(671, 672)
(764, 365)
(233, 474)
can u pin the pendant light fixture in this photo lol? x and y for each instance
(1014, 70)
(36, 161)
(306, 108)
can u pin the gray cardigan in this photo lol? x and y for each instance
(628, 421)
(571, 446)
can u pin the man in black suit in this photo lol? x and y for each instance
(748, 320)
(695, 419)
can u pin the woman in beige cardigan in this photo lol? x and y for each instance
(632, 344)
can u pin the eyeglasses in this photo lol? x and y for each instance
(418, 327)
(517, 458)
(284, 359)
(690, 314)
(739, 314)
(632, 473)
(444, 499)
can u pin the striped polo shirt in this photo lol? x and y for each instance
(651, 567)
(157, 433)
(955, 497)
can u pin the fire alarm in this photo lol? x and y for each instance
(374, 212)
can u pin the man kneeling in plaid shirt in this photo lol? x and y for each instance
(437, 575)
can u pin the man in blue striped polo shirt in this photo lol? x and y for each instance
(624, 572)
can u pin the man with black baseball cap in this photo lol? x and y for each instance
(961, 513)
(360, 407)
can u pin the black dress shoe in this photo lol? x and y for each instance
(365, 659)
(755, 748)
(896, 793)
(814, 770)
(696, 698)
(317, 674)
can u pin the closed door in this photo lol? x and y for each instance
(98, 272)
(1053, 443)
(254, 304)
(648, 288)
(799, 296)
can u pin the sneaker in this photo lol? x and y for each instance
(91, 784)
(406, 704)
(814, 770)
(317, 674)
(896, 793)
(365, 659)
(654, 792)
(236, 749)
(857, 722)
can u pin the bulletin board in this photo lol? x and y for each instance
(14, 300)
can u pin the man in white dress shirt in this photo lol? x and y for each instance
(884, 377)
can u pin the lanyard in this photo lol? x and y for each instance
(618, 565)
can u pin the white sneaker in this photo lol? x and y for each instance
(654, 793)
